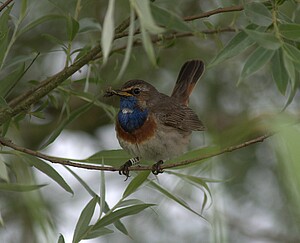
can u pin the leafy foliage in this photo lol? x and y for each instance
(58, 57)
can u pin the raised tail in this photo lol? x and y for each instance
(188, 76)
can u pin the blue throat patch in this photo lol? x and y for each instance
(130, 116)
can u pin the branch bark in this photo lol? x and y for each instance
(10, 144)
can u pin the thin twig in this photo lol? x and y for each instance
(4, 5)
(61, 161)
(213, 12)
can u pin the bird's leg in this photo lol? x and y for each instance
(156, 169)
(124, 168)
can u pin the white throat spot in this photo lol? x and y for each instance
(126, 111)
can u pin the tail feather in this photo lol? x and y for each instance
(188, 76)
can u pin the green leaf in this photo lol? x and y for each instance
(292, 52)
(84, 220)
(49, 171)
(3, 170)
(290, 68)
(108, 31)
(256, 61)
(19, 187)
(148, 46)
(4, 33)
(238, 44)
(88, 25)
(109, 157)
(61, 239)
(279, 72)
(258, 14)
(97, 233)
(10, 81)
(169, 20)
(196, 181)
(118, 214)
(72, 28)
(102, 192)
(290, 31)
(129, 44)
(38, 22)
(266, 40)
(62, 124)
(143, 10)
(129, 202)
(118, 224)
(172, 196)
(135, 183)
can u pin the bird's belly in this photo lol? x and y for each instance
(166, 143)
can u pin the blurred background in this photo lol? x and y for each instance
(254, 191)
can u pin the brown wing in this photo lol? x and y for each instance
(177, 115)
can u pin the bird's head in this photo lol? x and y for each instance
(134, 93)
(135, 98)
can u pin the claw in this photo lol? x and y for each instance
(156, 168)
(124, 169)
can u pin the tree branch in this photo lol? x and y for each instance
(4, 5)
(10, 144)
(215, 11)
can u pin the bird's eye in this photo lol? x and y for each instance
(136, 91)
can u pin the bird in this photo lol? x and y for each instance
(154, 126)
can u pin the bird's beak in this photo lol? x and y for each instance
(119, 92)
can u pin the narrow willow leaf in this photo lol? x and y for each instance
(3, 170)
(279, 72)
(258, 14)
(49, 171)
(148, 46)
(108, 31)
(61, 239)
(129, 44)
(88, 25)
(74, 115)
(196, 181)
(290, 31)
(290, 68)
(255, 62)
(120, 213)
(172, 196)
(98, 233)
(72, 27)
(238, 44)
(38, 22)
(135, 183)
(292, 52)
(19, 187)
(128, 202)
(266, 40)
(109, 157)
(143, 10)
(82, 182)
(118, 224)
(169, 19)
(102, 192)
(84, 220)
(4, 33)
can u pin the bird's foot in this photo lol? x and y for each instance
(156, 168)
(124, 169)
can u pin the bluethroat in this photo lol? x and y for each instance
(152, 125)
